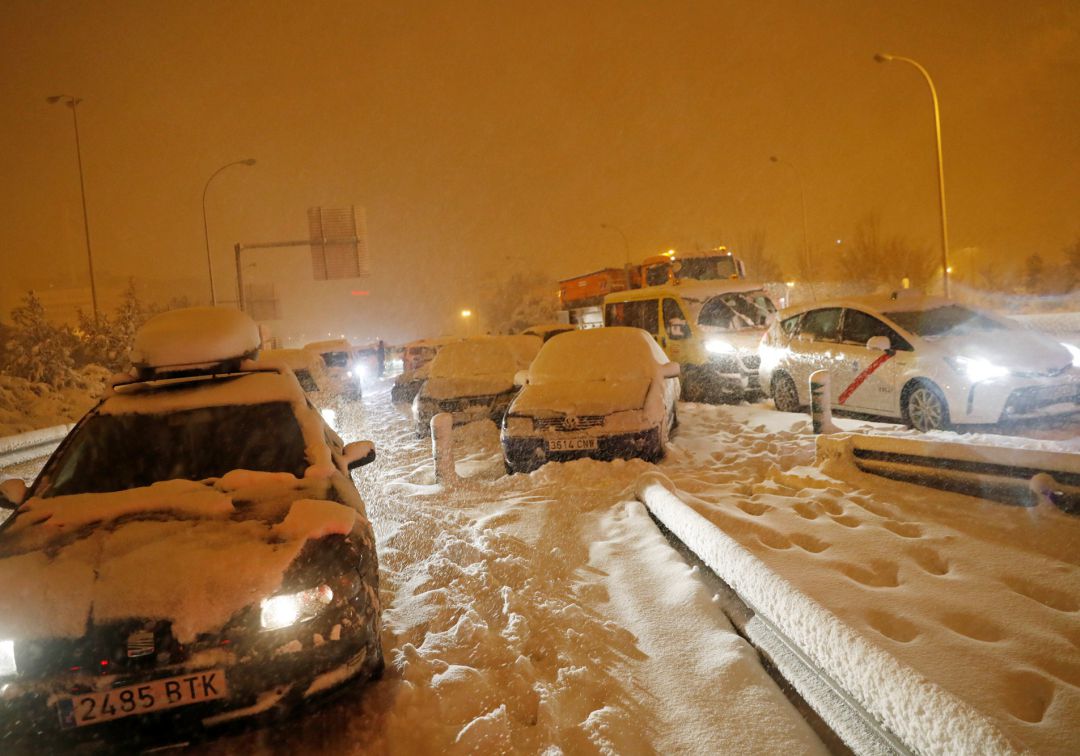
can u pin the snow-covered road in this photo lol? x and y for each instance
(531, 612)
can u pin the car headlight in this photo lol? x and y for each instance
(290, 609)
(7, 658)
(518, 426)
(1074, 351)
(718, 346)
(975, 368)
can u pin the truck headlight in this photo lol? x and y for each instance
(7, 659)
(718, 346)
(290, 609)
(975, 368)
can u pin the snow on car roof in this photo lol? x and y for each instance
(332, 345)
(901, 302)
(294, 359)
(432, 342)
(701, 290)
(610, 354)
(485, 355)
(194, 337)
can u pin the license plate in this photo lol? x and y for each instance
(166, 693)
(577, 443)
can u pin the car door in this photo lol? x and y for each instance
(867, 379)
(675, 336)
(814, 348)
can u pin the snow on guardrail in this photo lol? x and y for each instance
(34, 444)
(1013, 475)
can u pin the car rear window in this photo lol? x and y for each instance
(118, 452)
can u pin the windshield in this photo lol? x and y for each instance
(744, 309)
(946, 320)
(707, 268)
(118, 452)
(336, 359)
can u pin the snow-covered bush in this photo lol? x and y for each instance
(35, 349)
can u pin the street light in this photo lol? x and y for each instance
(626, 246)
(72, 102)
(206, 232)
(802, 199)
(885, 58)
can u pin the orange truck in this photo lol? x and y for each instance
(582, 297)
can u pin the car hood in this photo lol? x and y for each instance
(585, 398)
(171, 551)
(1019, 351)
(455, 388)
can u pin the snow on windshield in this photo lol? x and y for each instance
(600, 354)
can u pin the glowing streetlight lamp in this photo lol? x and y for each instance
(466, 313)
(206, 232)
(886, 58)
(72, 102)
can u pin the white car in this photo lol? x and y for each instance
(599, 392)
(473, 379)
(932, 363)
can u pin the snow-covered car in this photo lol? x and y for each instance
(193, 552)
(602, 392)
(341, 364)
(711, 328)
(930, 362)
(416, 356)
(473, 379)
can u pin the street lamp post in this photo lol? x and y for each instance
(802, 199)
(206, 231)
(885, 58)
(72, 102)
(626, 246)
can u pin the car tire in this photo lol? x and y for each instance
(924, 407)
(653, 448)
(784, 393)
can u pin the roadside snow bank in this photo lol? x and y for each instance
(27, 406)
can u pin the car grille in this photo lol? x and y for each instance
(752, 361)
(1026, 400)
(568, 423)
(108, 649)
(1043, 374)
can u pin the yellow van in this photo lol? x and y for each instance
(711, 328)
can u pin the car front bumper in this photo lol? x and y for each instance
(31, 714)
(528, 453)
(1008, 399)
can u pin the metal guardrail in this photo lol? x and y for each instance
(34, 444)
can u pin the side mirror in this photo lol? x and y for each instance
(358, 453)
(879, 343)
(12, 493)
(521, 378)
(670, 370)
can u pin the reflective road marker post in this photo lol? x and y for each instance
(820, 407)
